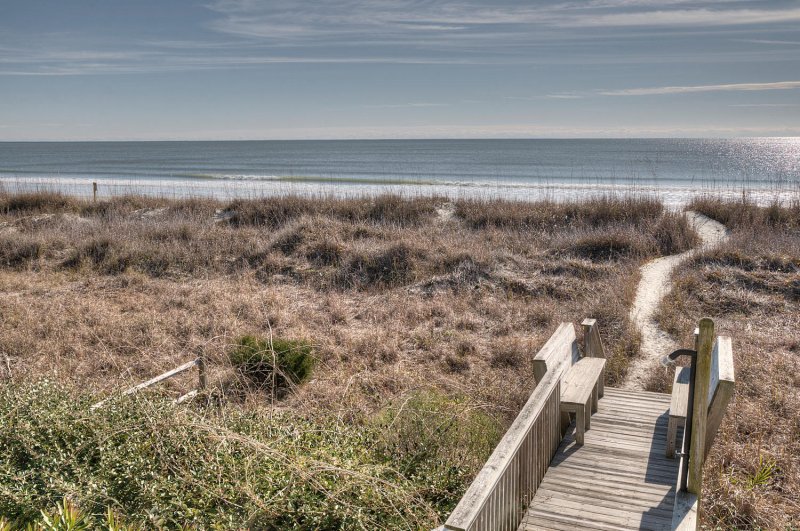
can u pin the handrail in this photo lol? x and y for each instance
(500, 494)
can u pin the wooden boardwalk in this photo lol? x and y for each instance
(619, 479)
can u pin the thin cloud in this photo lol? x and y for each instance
(765, 105)
(744, 87)
(405, 105)
(247, 33)
(769, 41)
(565, 96)
(686, 17)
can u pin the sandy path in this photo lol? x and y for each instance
(653, 286)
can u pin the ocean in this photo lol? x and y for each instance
(766, 169)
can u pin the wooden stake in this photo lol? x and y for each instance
(201, 372)
(94, 192)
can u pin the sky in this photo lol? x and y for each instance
(295, 69)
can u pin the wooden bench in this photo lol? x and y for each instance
(580, 392)
(678, 406)
(582, 378)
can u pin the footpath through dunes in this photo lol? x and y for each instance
(653, 286)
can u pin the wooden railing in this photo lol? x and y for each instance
(500, 494)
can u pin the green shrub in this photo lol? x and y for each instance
(159, 466)
(282, 361)
(443, 439)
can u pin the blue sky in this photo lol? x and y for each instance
(253, 69)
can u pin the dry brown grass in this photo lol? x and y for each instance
(750, 286)
(393, 296)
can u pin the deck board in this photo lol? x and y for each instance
(619, 479)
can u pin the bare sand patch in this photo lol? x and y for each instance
(654, 285)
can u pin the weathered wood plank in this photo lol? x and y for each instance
(611, 464)
(160, 378)
(679, 402)
(580, 380)
(606, 499)
(560, 522)
(684, 514)
(726, 380)
(619, 478)
(559, 353)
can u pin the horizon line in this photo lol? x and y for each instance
(390, 139)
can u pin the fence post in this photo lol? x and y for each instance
(702, 381)
(201, 372)
(94, 192)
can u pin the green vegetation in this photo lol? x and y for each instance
(440, 439)
(67, 517)
(275, 362)
(170, 467)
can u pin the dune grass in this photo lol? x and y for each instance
(750, 285)
(416, 319)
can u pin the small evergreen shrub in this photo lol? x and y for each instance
(282, 361)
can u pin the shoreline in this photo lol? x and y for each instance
(673, 197)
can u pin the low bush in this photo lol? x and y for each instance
(444, 439)
(592, 212)
(745, 214)
(275, 363)
(35, 202)
(166, 467)
(16, 252)
(609, 246)
(392, 265)
(386, 209)
(674, 235)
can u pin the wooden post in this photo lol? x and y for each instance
(201, 372)
(593, 348)
(592, 345)
(702, 381)
(94, 192)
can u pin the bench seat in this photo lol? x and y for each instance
(581, 389)
(678, 406)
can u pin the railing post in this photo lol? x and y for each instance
(592, 345)
(702, 381)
